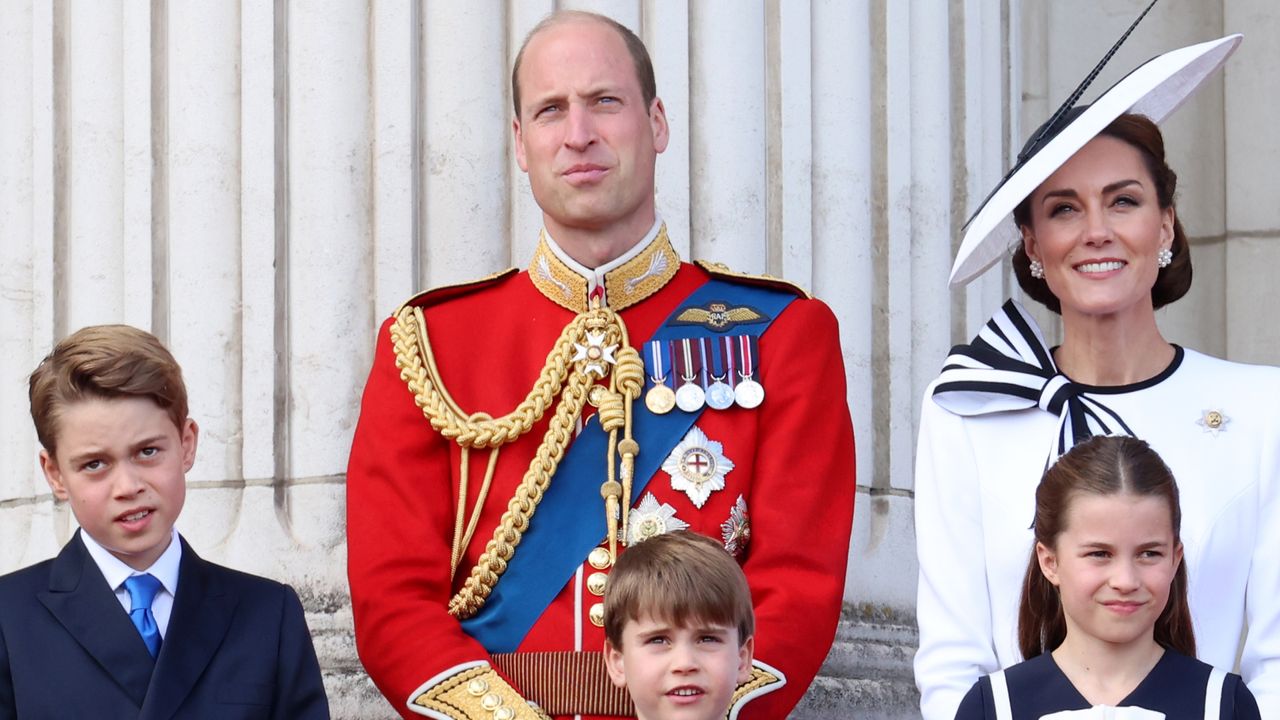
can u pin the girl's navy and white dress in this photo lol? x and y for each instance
(980, 457)
(1177, 688)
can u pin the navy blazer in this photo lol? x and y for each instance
(237, 646)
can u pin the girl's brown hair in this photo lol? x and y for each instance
(1103, 465)
(1173, 281)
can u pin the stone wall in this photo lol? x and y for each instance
(260, 183)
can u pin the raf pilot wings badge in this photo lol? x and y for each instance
(719, 316)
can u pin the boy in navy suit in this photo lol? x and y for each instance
(127, 621)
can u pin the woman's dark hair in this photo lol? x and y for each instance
(1102, 465)
(1173, 281)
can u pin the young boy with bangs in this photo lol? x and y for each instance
(127, 621)
(679, 627)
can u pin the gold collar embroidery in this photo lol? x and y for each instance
(624, 286)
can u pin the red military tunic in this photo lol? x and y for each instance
(793, 461)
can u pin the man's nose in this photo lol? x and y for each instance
(580, 129)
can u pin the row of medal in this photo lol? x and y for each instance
(690, 373)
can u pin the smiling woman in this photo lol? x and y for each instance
(1090, 207)
(1124, 172)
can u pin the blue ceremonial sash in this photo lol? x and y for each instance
(569, 522)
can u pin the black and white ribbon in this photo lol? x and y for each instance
(1008, 367)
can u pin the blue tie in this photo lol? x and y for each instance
(142, 590)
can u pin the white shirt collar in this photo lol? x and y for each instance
(595, 276)
(165, 568)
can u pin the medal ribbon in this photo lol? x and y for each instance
(747, 345)
(702, 371)
(726, 344)
(687, 371)
(656, 362)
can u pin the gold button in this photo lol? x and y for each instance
(595, 395)
(1214, 419)
(597, 614)
(477, 687)
(599, 558)
(596, 582)
(504, 713)
(490, 702)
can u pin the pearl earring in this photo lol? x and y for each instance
(1164, 257)
(1037, 270)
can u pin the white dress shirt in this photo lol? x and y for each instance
(165, 569)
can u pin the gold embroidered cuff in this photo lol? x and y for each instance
(764, 679)
(477, 693)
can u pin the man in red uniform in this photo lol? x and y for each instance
(518, 432)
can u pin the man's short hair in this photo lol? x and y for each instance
(635, 46)
(682, 578)
(104, 361)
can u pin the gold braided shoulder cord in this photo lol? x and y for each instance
(561, 377)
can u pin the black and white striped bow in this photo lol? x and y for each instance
(1008, 367)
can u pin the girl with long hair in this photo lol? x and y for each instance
(1104, 620)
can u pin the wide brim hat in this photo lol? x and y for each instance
(1155, 89)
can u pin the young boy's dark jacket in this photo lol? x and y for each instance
(236, 647)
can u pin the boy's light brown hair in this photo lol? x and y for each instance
(104, 361)
(681, 578)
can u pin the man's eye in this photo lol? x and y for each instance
(92, 466)
(149, 452)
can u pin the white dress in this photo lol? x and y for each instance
(976, 478)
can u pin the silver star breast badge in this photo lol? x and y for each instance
(697, 466)
(651, 519)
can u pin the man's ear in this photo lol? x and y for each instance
(745, 655)
(613, 662)
(658, 122)
(53, 475)
(518, 136)
(1048, 562)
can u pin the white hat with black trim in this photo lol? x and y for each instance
(1155, 89)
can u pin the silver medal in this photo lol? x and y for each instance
(690, 396)
(749, 394)
(720, 396)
